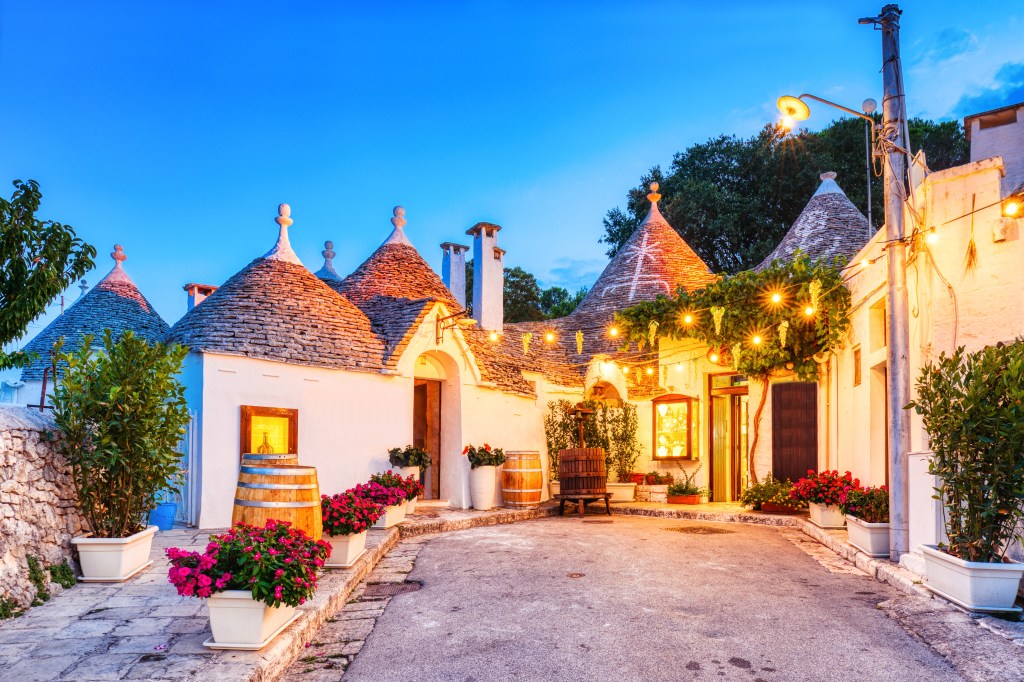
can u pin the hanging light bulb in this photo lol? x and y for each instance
(931, 237)
(688, 319)
(713, 357)
(679, 367)
(549, 337)
(494, 336)
(650, 370)
(776, 297)
(756, 340)
(864, 262)
(614, 331)
(808, 311)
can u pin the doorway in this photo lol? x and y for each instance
(426, 432)
(794, 429)
(728, 436)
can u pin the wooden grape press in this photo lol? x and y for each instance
(582, 472)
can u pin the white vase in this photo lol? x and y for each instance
(114, 559)
(410, 506)
(345, 549)
(392, 516)
(406, 472)
(870, 538)
(240, 622)
(976, 585)
(556, 488)
(622, 492)
(826, 515)
(482, 484)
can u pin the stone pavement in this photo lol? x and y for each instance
(141, 628)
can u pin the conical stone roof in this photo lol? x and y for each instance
(276, 309)
(654, 260)
(829, 226)
(115, 303)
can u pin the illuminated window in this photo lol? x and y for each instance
(675, 427)
(269, 430)
(856, 366)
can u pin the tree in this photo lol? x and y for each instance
(38, 260)
(525, 300)
(733, 199)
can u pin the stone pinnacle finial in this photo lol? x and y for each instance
(118, 255)
(653, 197)
(284, 215)
(83, 287)
(328, 252)
(399, 219)
(830, 175)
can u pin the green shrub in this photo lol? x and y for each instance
(9, 608)
(63, 574)
(410, 456)
(973, 408)
(688, 485)
(770, 490)
(121, 413)
(37, 576)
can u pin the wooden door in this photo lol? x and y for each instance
(794, 429)
(426, 431)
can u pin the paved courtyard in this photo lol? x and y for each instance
(638, 598)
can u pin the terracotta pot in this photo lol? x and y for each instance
(772, 508)
(684, 499)
(639, 479)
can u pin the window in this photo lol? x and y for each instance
(269, 430)
(856, 366)
(675, 427)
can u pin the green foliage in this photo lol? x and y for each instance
(37, 576)
(121, 413)
(410, 456)
(523, 298)
(770, 490)
(973, 408)
(870, 505)
(688, 484)
(612, 428)
(484, 456)
(733, 199)
(749, 312)
(62, 574)
(9, 608)
(38, 260)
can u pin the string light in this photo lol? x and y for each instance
(756, 340)
(864, 262)
(494, 336)
(1011, 209)
(776, 297)
(808, 311)
(549, 337)
(613, 332)
(931, 237)
(650, 370)
(679, 367)
(713, 357)
(688, 319)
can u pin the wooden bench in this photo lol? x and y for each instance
(582, 500)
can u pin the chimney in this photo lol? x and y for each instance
(488, 277)
(197, 293)
(999, 132)
(453, 270)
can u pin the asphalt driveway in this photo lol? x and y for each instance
(636, 599)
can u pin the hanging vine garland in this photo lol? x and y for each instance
(527, 338)
(579, 342)
(810, 317)
(652, 333)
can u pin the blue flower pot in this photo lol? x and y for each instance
(163, 516)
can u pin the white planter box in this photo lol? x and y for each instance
(114, 559)
(622, 492)
(870, 538)
(975, 585)
(410, 507)
(555, 487)
(392, 516)
(345, 549)
(240, 622)
(826, 515)
(482, 484)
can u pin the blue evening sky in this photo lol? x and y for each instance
(175, 128)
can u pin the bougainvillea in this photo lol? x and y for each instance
(825, 487)
(277, 564)
(348, 513)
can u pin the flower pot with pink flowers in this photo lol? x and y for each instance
(347, 517)
(252, 579)
(824, 492)
(387, 490)
(483, 462)
(413, 491)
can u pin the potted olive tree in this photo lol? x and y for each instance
(120, 413)
(973, 408)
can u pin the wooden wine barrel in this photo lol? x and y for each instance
(581, 471)
(280, 492)
(257, 459)
(522, 479)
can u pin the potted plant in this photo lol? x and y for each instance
(658, 478)
(387, 490)
(413, 490)
(867, 520)
(771, 496)
(823, 492)
(972, 405)
(120, 414)
(623, 449)
(686, 491)
(347, 517)
(410, 460)
(252, 579)
(483, 463)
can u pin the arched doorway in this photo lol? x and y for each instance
(437, 426)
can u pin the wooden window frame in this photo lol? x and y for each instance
(250, 411)
(672, 398)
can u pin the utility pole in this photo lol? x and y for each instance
(897, 319)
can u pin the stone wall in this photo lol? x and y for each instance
(38, 516)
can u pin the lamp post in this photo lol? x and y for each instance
(890, 144)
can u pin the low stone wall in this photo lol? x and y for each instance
(652, 493)
(38, 516)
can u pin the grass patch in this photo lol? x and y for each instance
(37, 576)
(9, 609)
(62, 574)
